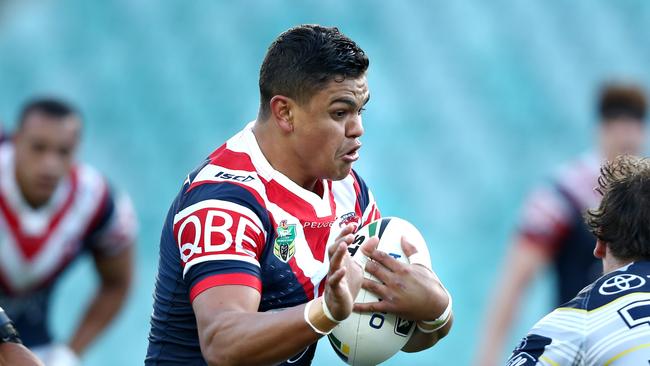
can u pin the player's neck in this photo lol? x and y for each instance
(282, 160)
(611, 263)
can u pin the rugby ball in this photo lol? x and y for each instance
(371, 338)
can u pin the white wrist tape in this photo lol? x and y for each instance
(439, 322)
(328, 313)
(307, 308)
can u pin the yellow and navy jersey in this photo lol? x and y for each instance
(607, 323)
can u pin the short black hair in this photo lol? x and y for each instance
(622, 221)
(49, 106)
(304, 58)
(620, 100)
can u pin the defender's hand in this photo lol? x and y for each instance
(411, 291)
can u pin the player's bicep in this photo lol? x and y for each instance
(217, 308)
(115, 270)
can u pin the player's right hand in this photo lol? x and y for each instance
(345, 276)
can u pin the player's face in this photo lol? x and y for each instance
(328, 127)
(622, 135)
(44, 154)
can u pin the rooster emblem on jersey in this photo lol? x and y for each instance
(284, 247)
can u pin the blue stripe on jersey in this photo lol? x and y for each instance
(364, 196)
(211, 268)
(108, 209)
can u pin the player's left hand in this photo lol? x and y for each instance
(62, 355)
(411, 291)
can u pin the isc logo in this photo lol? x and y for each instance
(238, 178)
(203, 229)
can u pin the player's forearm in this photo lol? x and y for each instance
(500, 316)
(104, 306)
(524, 260)
(239, 338)
(17, 354)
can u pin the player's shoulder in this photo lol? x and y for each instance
(570, 186)
(89, 181)
(628, 282)
(578, 174)
(584, 164)
(223, 180)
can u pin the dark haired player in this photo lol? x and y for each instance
(253, 261)
(52, 210)
(552, 231)
(607, 323)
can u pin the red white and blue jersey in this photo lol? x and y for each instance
(552, 221)
(37, 244)
(237, 221)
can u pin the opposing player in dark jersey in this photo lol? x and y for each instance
(607, 323)
(52, 210)
(552, 231)
(12, 351)
(253, 266)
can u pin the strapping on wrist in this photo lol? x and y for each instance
(318, 318)
(430, 326)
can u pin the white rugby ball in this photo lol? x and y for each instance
(371, 338)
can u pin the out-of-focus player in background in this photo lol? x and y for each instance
(52, 210)
(552, 231)
(12, 351)
(253, 262)
(607, 323)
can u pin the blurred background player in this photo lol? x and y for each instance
(552, 231)
(52, 210)
(607, 323)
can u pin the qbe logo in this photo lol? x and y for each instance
(213, 226)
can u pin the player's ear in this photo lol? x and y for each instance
(281, 109)
(600, 249)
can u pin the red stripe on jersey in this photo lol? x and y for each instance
(216, 152)
(233, 160)
(30, 245)
(241, 279)
(317, 238)
(289, 201)
(316, 229)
